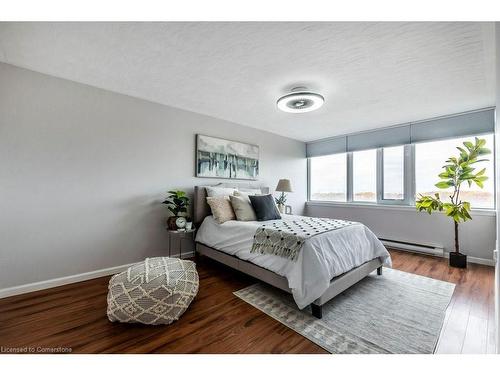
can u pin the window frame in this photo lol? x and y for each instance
(409, 183)
(348, 173)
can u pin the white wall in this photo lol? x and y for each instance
(477, 237)
(83, 172)
(497, 168)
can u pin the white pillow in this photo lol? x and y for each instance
(250, 191)
(242, 207)
(214, 191)
(222, 210)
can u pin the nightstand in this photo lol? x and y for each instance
(181, 243)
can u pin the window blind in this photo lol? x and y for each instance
(330, 146)
(454, 126)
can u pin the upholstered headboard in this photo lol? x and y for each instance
(201, 209)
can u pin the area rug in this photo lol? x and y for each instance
(397, 312)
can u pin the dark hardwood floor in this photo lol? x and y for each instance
(74, 316)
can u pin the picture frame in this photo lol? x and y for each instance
(226, 159)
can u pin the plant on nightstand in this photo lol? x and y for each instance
(177, 203)
(457, 171)
(284, 186)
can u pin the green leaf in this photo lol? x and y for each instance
(466, 205)
(466, 215)
(481, 172)
(444, 184)
(469, 145)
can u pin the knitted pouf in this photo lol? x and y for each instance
(156, 291)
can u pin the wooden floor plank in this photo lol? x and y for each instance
(476, 336)
(218, 322)
(491, 342)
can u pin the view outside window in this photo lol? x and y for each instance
(429, 160)
(329, 178)
(394, 161)
(364, 176)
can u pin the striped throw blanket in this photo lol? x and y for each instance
(286, 238)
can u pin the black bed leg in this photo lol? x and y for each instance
(317, 310)
(379, 271)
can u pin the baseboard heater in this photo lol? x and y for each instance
(410, 246)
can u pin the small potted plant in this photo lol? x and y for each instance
(457, 171)
(284, 186)
(280, 202)
(177, 203)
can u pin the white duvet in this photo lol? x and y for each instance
(322, 257)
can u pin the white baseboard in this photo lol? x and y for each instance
(52, 283)
(486, 262)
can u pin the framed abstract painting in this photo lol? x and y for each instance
(222, 158)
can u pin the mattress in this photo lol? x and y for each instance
(322, 257)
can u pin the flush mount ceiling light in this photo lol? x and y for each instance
(300, 100)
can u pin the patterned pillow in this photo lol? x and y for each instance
(242, 207)
(221, 209)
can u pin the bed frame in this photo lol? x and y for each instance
(337, 284)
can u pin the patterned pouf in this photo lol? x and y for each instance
(156, 291)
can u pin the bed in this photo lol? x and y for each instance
(328, 263)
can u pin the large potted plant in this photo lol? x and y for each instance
(457, 170)
(177, 203)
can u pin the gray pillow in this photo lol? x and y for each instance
(264, 207)
(242, 208)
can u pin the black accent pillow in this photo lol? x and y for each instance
(264, 207)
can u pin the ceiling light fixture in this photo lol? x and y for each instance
(300, 100)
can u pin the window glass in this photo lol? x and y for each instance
(364, 176)
(328, 176)
(394, 164)
(431, 156)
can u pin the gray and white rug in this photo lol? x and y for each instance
(397, 312)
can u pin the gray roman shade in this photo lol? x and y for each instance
(329, 146)
(393, 136)
(461, 125)
(453, 127)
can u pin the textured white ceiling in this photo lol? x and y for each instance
(371, 74)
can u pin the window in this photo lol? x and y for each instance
(396, 175)
(328, 178)
(393, 171)
(431, 156)
(364, 176)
